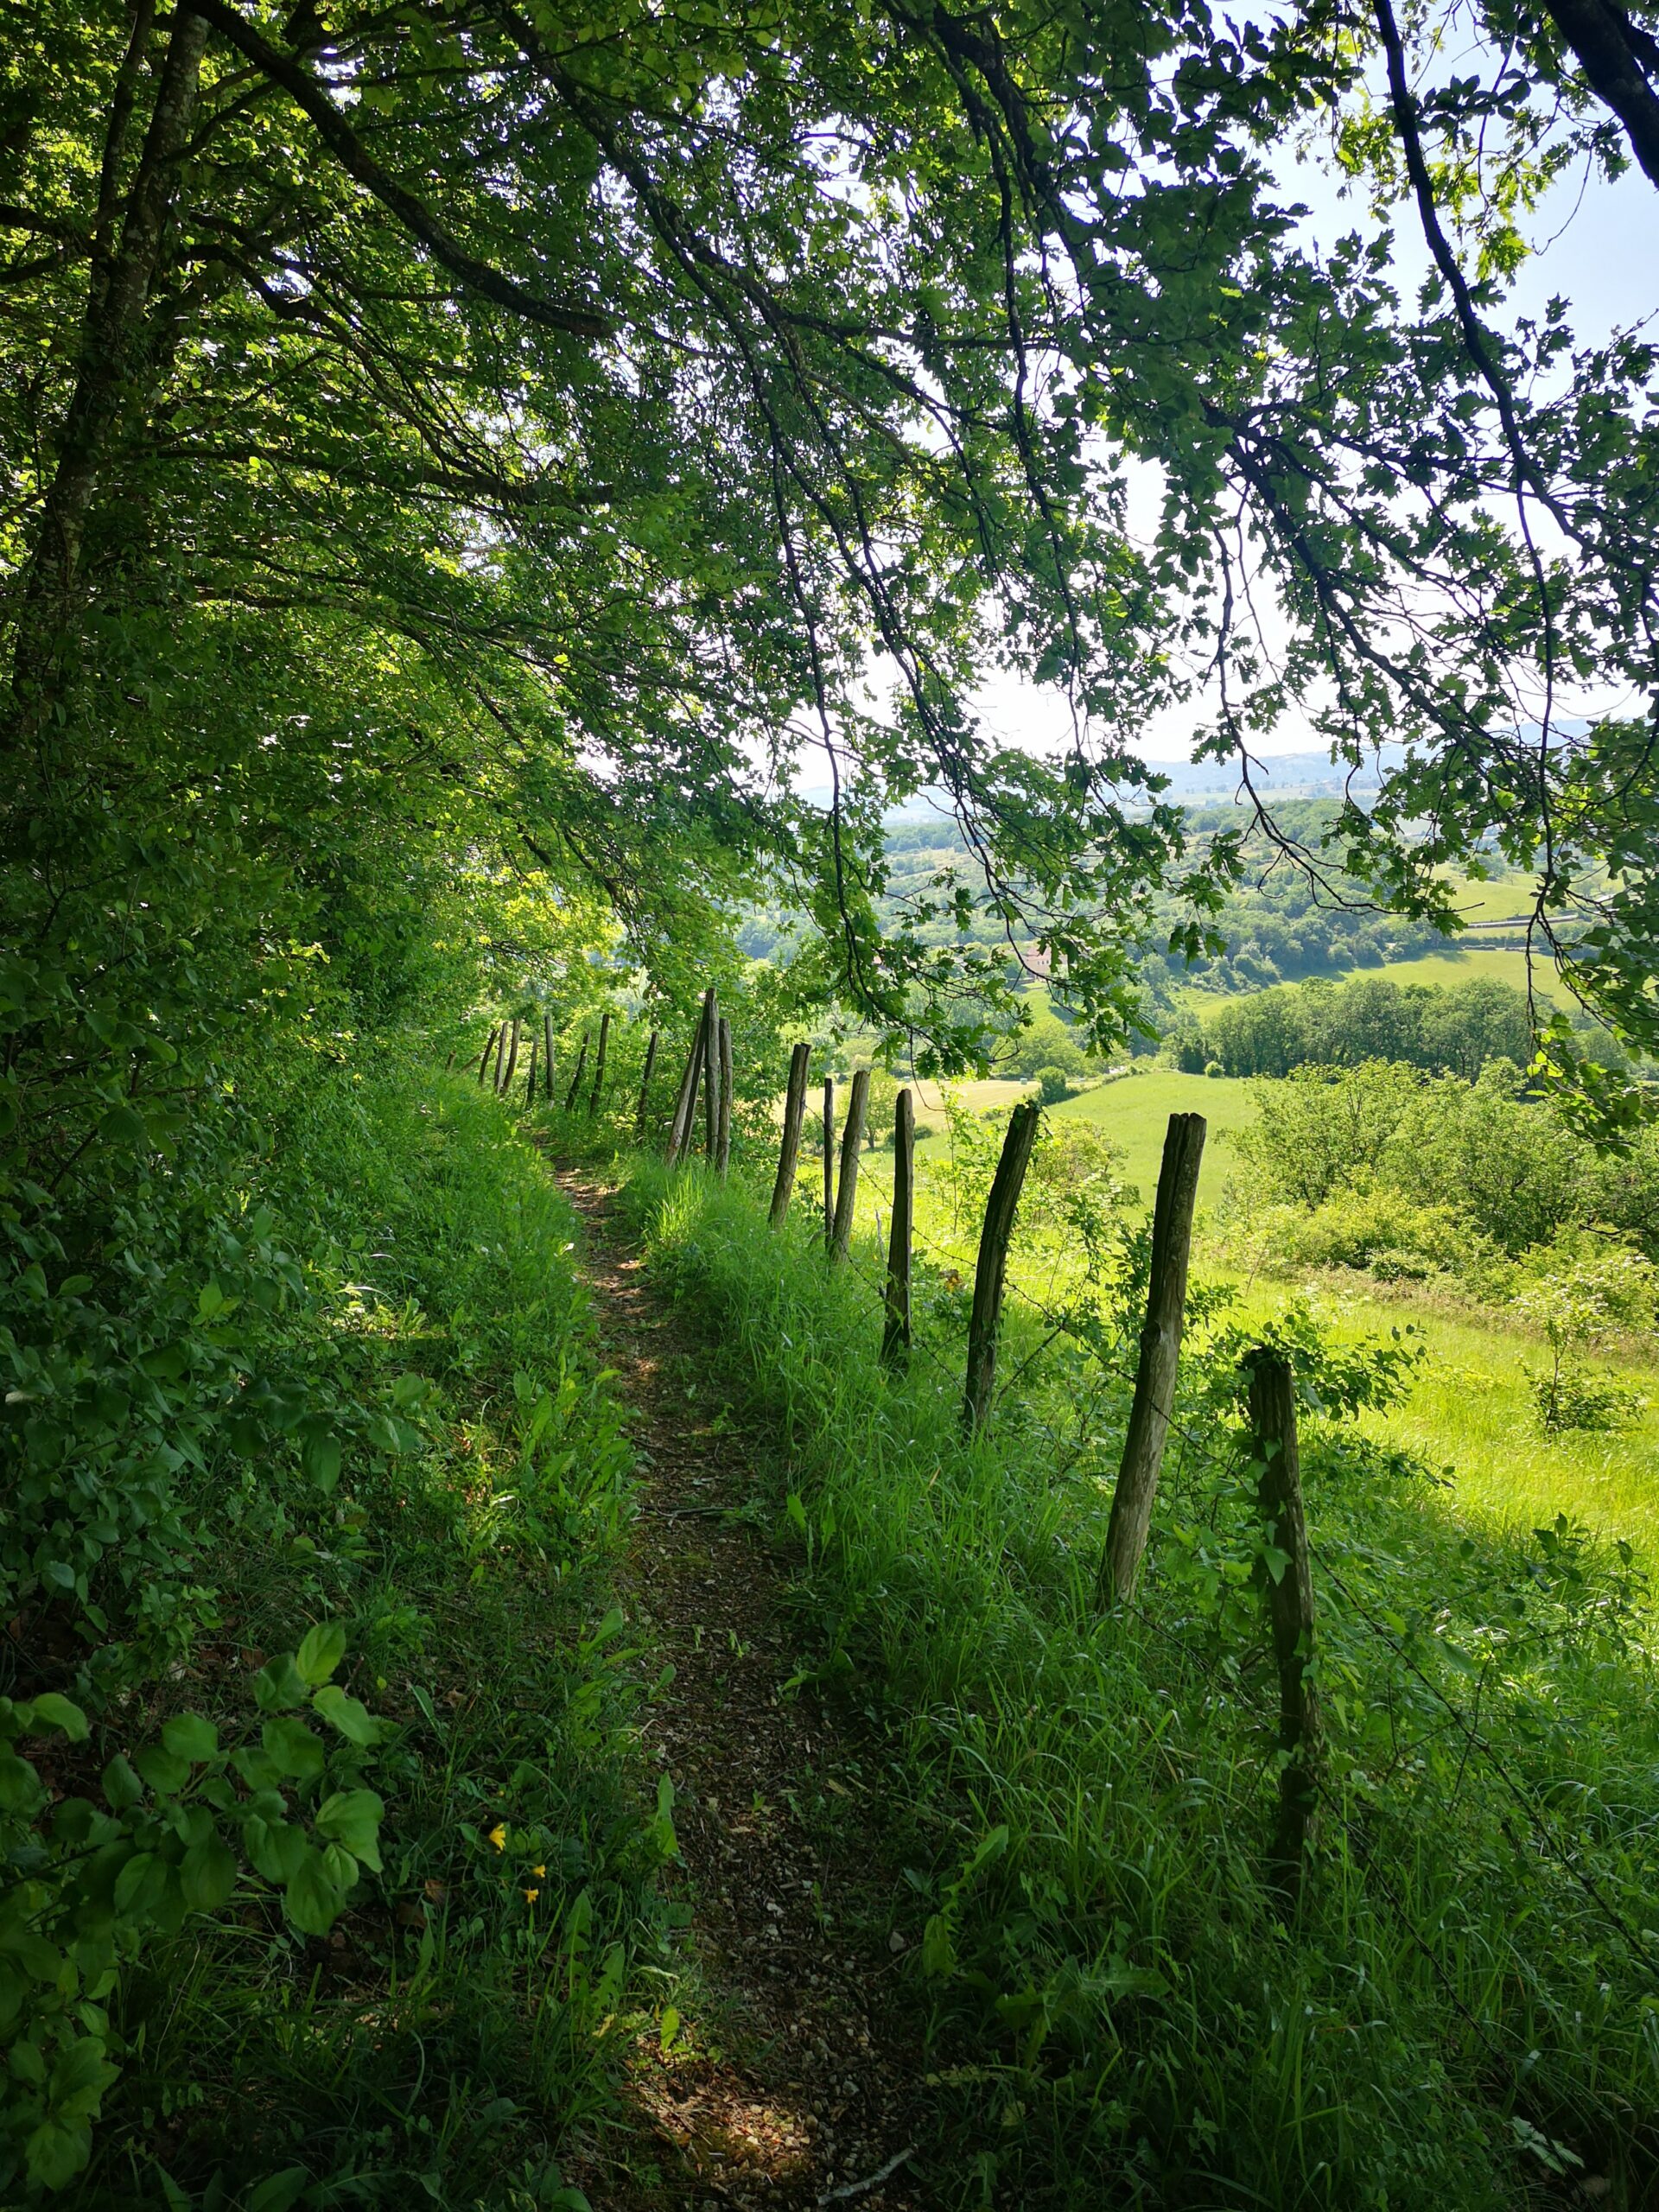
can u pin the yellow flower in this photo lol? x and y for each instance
(530, 1896)
(538, 1870)
(499, 1837)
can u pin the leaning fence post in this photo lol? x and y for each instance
(513, 1060)
(895, 1336)
(484, 1057)
(679, 1134)
(501, 1055)
(574, 1091)
(852, 1139)
(1161, 1353)
(1290, 1612)
(644, 1089)
(789, 1151)
(529, 1079)
(724, 1132)
(989, 1274)
(599, 1063)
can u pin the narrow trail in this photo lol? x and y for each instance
(796, 2077)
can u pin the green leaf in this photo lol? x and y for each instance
(80, 2078)
(164, 1770)
(208, 1873)
(352, 1817)
(312, 1902)
(26, 2065)
(321, 1651)
(56, 2153)
(354, 1721)
(58, 1712)
(124, 1125)
(294, 1748)
(274, 1847)
(20, 1786)
(139, 1885)
(320, 1458)
(188, 1736)
(278, 2191)
(279, 1684)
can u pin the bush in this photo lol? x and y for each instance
(1052, 1085)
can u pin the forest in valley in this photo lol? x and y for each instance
(794, 1412)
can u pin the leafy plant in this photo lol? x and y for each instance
(92, 1882)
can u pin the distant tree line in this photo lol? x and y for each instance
(1452, 1029)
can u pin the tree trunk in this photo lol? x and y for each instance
(1161, 1353)
(574, 1091)
(529, 1079)
(484, 1057)
(500, 1057)
(829, 1160)
(991, 1273)
(513, 1059)
(789, 1151)
(111, 359)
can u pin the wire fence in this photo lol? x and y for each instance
(1476, 1743)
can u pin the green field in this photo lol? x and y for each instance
(1134, 1109)
(1459, 966)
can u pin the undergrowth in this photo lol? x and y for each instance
(1466, 2012)
(391, 1432)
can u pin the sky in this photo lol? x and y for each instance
(1595, 244)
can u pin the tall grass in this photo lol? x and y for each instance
(1465, 2010)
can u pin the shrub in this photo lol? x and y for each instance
(1053, 1086)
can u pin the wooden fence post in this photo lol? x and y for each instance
(513, 1059)
(1161, 1353)
(599, 1063)
(484, 1057)
(1290, 1613)
(829, 1160)
(679, 1135)
(895, 1336)
(529, 1079)
(852, 1139)
(574, 1091)
(789, 1151)
(711, 1078)
(991, 1272)
(644, 1089)
(500, 1054)
(723, 1134)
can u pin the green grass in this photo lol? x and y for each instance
(446, 2042)
(1472, 1413)
(1123, 2015)
(1134, 1109)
